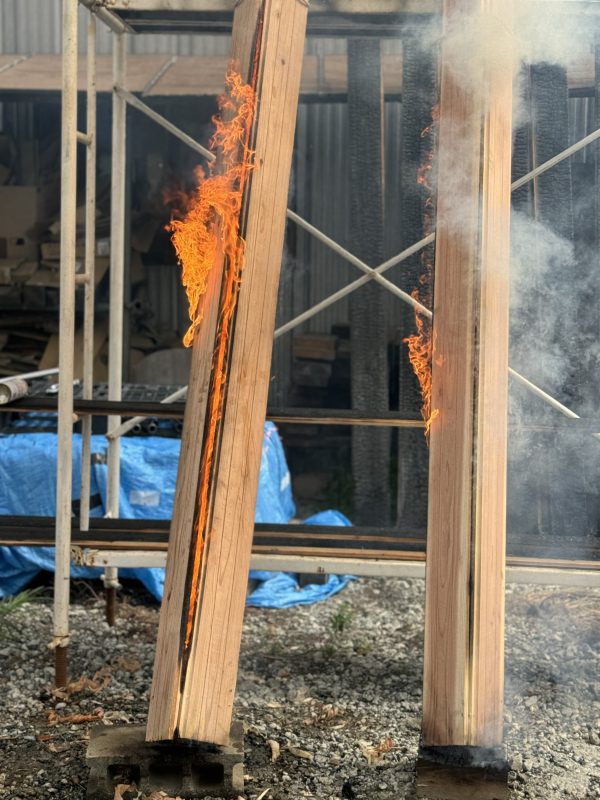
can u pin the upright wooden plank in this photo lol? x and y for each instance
(195, 675)
(486, 678)
(464, 625)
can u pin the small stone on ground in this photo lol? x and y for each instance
(330, 694)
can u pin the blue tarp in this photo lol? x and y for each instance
(148, 474)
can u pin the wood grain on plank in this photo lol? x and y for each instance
(194, 700)
(464, 629)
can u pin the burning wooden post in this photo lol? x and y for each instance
(464, 623)
(213, 520)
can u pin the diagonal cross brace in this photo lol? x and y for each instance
(371, 273)
(375, 273)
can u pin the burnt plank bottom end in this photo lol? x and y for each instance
(462, 773)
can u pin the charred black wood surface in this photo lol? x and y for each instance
(417, 141)
(553, 324)
(368, 330)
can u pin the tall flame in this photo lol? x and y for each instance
(210, 230)
(211, 220)
(421, 345)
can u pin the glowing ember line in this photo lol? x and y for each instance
(210, 230)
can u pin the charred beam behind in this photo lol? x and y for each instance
(368, 334)
(419, 96)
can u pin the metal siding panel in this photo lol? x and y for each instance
(34, 26)
(323, 193)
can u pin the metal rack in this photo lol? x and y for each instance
(138, 16)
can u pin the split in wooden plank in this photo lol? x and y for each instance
(198, 642)
(464, 627)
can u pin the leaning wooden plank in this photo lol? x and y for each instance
(201, 618)
(464, 625)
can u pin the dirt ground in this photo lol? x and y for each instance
(330, 694)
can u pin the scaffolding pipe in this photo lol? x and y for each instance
(131, 423)
(569, 151)
(117, 277)
(415, 248)
(356, 262)
(90, 263)
(66, 357)
(104, 15)
(547, 398)
(351, 287)
(40, 373)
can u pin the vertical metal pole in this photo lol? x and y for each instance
(60, 639)
(90, 262)
(117, 270)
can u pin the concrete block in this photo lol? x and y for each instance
(191, 770)
(462, 773)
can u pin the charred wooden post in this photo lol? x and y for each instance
(368, 333)
(464, 615)
(560, 490)
(415, 220)
(550, 500)
(209, 549)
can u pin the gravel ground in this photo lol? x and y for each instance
(332, 690)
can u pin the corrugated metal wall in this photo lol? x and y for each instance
(321, 187)
(321, 174)
(322, 192)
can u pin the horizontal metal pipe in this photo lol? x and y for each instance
(131, 423)
(40, 373)
(84, 138)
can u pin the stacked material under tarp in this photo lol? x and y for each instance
(148, 473)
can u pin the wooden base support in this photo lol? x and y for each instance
(61, 667)
(111, 606)
(462, 773)
(120, 755)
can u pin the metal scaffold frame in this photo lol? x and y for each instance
(71, 137)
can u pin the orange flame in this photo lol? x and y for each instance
(420, 344)
(210, 230)
(420, 352)
(211, 220)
